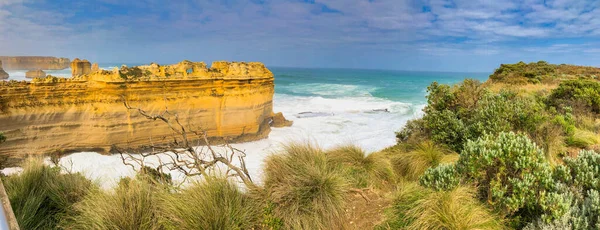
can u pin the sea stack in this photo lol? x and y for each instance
(95, 67)
(35, 73)
(79, 67)
(3, 74)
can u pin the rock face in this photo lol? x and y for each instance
(79, 67)
(230, 101)
(279, 121)
(95, 67)
(3, 74)
(35, 73)
(34, 62)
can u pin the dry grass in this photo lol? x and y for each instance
(41, 196)
(583, 138)
(133, 205)
(373, 170)
(522, 90)
(410, 165)
(307, 190)
(214, 203)
(419, 208)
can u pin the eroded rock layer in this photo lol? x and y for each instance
(231, 101)
(34, 62)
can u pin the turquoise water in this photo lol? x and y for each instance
(405, 86)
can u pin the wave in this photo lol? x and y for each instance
(329, 90)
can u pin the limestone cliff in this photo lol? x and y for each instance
(3, 74)
(34, 62)
(231, 101)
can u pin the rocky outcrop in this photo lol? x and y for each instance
(230, 101)
(34, 62)
(79, 67)
(95, 67)
(35, 73)
(3, 74)
(278, 121)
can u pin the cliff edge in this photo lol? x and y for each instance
(231, 101)
(34, 63)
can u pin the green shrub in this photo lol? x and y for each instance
(410, 165)
(41, 196)
(2, 138)
(443, 177)
(446, 128)
(581, 171)
(154, 176)
(572, 92)
(512, 175)
(133, 205)
(214, 203)
(418, 208)
(307, 189)
(373, 170)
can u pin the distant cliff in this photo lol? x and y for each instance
(230, 100)
(3, 74)
(34, 63)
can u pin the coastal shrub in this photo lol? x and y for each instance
(412, 132)
(372, 170)
(214, 203)
(307, 189)
(446, 128)
(581, 171)
(132, 205)
(419, 208)
(2, 138)
(441, 178)
(41, 196)
(410, 165)
(512, 175)
(573, 92)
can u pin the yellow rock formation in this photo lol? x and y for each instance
(79, 67)
(35, 73)
(34, 62)
(3, 74)
(230, 101)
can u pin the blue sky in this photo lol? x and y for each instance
(437, 35)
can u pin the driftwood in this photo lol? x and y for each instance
(190, 152)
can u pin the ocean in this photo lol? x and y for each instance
(329, 107)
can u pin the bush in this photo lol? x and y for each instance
(306, 188)
(441, 178)
(418, 208)
(214, 203)
(572, 92)
(410, 165)
(512, 175)
(581, 171)
(133, 205)
(41, 196)
(447, 128)
(373, 170)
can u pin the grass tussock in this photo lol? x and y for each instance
(41, 196)
(373, 170)
(307, 190)
(583, 138)
(419, 208)
(412, 164)
(214, 203)
(133, 205)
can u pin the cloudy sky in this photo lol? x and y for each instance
(439, 35)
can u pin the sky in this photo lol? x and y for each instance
(425, 35)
